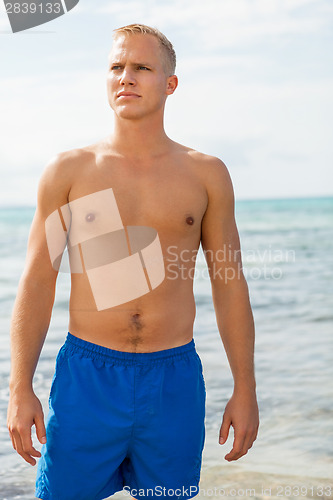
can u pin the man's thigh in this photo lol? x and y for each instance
(169, 431)
(88, 429)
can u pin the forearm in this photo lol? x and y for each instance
(236, 326)
(30, 321)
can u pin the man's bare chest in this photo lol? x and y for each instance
(168, 200)
(120, 227)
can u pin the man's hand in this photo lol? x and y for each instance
(242, 413)
(24, 411)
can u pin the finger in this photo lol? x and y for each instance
(256, 433)
(13, 439)
(26, 448)
(237, 449)
(224, 431)
(234, 454)
(11, 436)
(27, 444)
(249, 441)
(40, 428)
(246, 446)
(19, 449)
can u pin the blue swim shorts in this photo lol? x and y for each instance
(123, 421)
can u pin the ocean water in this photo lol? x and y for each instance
(287, 251)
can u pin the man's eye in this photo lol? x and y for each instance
(115, 67)
(144, 67)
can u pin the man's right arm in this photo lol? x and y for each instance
(32, 313)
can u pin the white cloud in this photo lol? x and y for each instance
(228, 23)
(277, 127)
(282, 132)
(42, 114)
(265, 111)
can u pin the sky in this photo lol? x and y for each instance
(255, 90)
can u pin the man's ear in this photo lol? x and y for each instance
(172, 84)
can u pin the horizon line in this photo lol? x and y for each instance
(273, 198)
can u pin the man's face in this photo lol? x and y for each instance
(136, 66)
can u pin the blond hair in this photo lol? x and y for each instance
(165, 45)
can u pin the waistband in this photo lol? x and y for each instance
(98, 351)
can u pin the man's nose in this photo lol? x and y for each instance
(127, 77)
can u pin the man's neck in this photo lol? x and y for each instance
(139, 140)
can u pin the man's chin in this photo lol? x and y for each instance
(128, 114)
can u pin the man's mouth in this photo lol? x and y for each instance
(127, 95)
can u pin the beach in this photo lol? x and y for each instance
(215, 482)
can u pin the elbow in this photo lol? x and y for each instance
(39, 280)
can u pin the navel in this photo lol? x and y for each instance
(136, 321)
(189, 221)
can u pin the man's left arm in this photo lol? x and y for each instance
(221, 246)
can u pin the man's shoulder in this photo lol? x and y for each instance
(62, 169)
(214, 174)
(66, 160)
(213, 168)
(200, 158)
(60, 173)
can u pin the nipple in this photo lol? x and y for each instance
(90, 217)
(189, 221)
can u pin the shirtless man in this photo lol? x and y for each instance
(127, 401)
